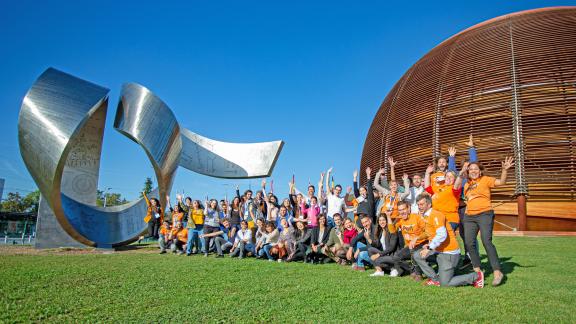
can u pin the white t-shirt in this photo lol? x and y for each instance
(335, 205)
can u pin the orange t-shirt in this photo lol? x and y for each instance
(411, 227)
(164, 230)
(390, 203)
(437, 179)
(446, 200)
(181, 234)
(435, 220)
(177, 217)
(477, 194)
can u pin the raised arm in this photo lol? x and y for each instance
(370, 193)
(452, 159)
(406, 183)
(146, 198)
(238, 192)
(328, 191)
(355, 184)
(461, 176)
(506, 164)
(392, 164)
(427, 175)
(320, 189)
(377, 185)
(472, 154)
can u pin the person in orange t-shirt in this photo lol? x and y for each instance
(442, 242)
(479, 215)
(446, 196)
(179, 238)
(412, 229)
(164, 238)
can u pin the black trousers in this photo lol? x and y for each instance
(300, 253)
(154, 228)
(483, 223)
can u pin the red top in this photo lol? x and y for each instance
(349, 234)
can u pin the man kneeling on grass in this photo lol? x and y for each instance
(441, 240)
(164, 237)
(223, 240)
(179, 237)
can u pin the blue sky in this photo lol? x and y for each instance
(311, 73)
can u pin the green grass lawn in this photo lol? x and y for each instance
(143, 286)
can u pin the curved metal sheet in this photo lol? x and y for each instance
(61, 127)
(228, 160)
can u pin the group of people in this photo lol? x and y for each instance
(396, 228)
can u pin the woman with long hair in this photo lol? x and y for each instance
(195, 227)
(319, 239)
(479, 215)
(301, 237)
(154, 216)
(211, 223)
(285, 245)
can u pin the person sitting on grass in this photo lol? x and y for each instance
(270, 239)
(285, 244)
(411, 226)
(301, 238)
(243, 241)
(179, 238)
(319, 238)
(164, 237)
(223, 239)
(335, 241)
(442, 240)
(388, 243)
(366, 237)
(283, 215)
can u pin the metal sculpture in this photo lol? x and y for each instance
(61, 126)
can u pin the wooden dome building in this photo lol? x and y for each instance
(511, 83)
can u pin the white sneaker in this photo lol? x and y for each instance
(377, 274)
(394, 273)
(280, 260)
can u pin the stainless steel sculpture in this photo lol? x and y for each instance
(60, 130)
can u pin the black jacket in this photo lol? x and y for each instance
(368, 206)
(391, 240)
(316, 234)
(360, 238)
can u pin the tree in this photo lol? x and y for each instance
(32, 201)
(13, 203)
(18, 204)
(112, 199)
(147, 186)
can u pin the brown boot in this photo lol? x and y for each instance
(498, 276)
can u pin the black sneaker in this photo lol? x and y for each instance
(162, 252)
(465, 263)
(220, 256)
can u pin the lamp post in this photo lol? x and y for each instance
(105, 197)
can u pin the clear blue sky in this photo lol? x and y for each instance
(311, 73)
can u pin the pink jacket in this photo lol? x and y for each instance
(311, 214)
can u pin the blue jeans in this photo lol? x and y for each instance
(194, 239)
(266, 250)
(361, 246)
(331, 221)
(363, 258)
